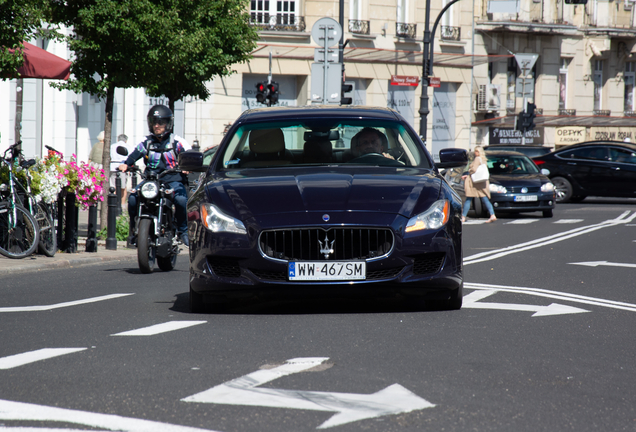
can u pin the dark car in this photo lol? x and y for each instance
(290, 207)
(597, 168)
(528, 150)
(516, 185)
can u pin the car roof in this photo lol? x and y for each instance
(604, 142)
(504, 153)
(322, 111)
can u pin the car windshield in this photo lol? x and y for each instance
(321, 142)
(498, 165)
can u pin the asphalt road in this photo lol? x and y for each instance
(541, 344)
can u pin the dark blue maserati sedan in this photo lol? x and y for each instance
(324, 200)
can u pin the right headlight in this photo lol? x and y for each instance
(149, 190)
(217, 221)
(496, 188)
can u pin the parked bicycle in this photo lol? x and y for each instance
(19, 230)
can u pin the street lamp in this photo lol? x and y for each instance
(427, 63)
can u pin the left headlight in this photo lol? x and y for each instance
(433, 218)
(547, 187)
(149, 190)
(217, 221)
(497, 188)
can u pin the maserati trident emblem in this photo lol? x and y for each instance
(325, 217)
(326, 248)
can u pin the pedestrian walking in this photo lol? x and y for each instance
(476, 184)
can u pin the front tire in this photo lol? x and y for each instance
(18, 238)
(48, 237)
(145, 246)
(563, 189)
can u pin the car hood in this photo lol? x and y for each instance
(244, 195)
(528, 180)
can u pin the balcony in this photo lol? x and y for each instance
(629, 113)
(567, 112)
(405, 30)
(359, 27)
(450, 33)
(278, 22)
(601, 113)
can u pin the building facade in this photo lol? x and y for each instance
(583, 80)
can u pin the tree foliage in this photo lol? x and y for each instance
(204, 39)
(21, 20)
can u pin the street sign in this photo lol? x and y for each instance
(348, 407)
(529, 87)
(526, 61)
(329, 87)
(329, 26)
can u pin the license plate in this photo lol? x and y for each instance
(327, 271)
(524, 198)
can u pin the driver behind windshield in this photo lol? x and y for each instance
(370, 141)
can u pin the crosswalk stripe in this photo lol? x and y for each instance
(568, 221)
(160, 328)
(33, 356)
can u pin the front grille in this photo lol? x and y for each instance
(517, 189)
(312, 244)
(428, 263)
(225, 267)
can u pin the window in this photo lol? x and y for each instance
(355, 8)
(402, 11)
(588, 153)
(563, 83)
(511, 97)
(598, 84)
(273, 12)
(629, 86)
(622, 156)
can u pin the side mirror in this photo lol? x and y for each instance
(191, 161)
(452, 158)
(545, 172)
(121, 150)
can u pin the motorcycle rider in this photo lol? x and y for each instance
(160, 151)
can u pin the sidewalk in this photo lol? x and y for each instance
(37, 262)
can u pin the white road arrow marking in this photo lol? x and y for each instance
(61, 305)
(20, 411)
(575, 298)
(349, 407)
(624, 218)
(604, 263)
(471, 301)
(160, 328)
(16, 360)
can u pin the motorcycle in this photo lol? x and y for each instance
(155, 230)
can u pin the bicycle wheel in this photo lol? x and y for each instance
(19, 236)
(48, 237)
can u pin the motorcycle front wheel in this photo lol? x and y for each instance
(145, 246)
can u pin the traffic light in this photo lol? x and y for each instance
(346, 94)
(261, 92)
(525, 121)
(272, 92)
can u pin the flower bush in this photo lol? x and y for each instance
(52, 174)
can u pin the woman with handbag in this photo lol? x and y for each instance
(476, 185)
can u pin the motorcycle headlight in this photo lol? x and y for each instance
(496, 188)
(547, 187)
(149, 190)
(433, 218)
(217, 221)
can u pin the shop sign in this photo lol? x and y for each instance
(569, 135)
(613, 134)
(404, 80)
(511, 136)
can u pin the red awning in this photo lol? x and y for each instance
(39, 63)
